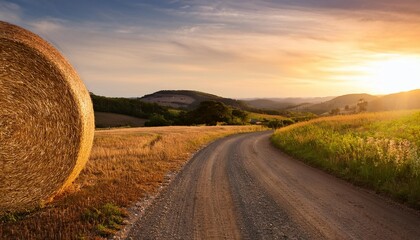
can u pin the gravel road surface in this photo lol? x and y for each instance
(241, 187)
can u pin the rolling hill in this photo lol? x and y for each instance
(280, 104)
(126, 106)
(338, 102)
(186, 99)
(397, 101)
(159, 104)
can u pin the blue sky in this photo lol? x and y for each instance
(283, 48)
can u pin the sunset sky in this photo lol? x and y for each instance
(237, 48)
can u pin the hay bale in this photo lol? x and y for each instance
(46, 120)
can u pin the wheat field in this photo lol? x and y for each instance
(125, 166)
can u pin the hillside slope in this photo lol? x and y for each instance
(267, 104)
(338, 102)
(397, 101)
(127, 106)
(106, 120)
(187, 99)
(283, 103)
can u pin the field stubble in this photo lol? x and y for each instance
(125, 166)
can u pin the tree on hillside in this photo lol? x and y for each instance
(157, 120)
(128, 106)
(210, 113)
(277, 123)
(239, 117)
(362, 105)
(335, 111)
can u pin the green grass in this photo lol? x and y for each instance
(377, 150)
(265, 117)
(108, 219)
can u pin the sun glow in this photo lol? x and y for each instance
(392, 73)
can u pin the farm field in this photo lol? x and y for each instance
(378, 150)
(106, 120)
(125, 166)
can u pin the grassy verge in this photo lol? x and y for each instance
(378, 150)
(265, 117)
(125, 165)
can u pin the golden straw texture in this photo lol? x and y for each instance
(46, 121)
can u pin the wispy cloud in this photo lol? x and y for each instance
(233, 48)
(10, 12)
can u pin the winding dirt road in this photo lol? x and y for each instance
(241, 187)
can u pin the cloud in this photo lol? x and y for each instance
(10, 12)
(282, 49)
(226, 47)
(47, 26)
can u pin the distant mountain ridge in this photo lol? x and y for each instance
(187, 99)
(283, 103)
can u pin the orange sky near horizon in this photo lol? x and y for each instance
(237, 49)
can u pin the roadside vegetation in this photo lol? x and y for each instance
(278, 121)
(125, 166)
(378, 150)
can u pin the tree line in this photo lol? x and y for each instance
(207, 112)
(127, 106)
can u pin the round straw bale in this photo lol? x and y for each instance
(46, 121)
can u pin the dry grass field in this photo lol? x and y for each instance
(125, 165)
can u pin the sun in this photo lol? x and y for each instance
(392, 73)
